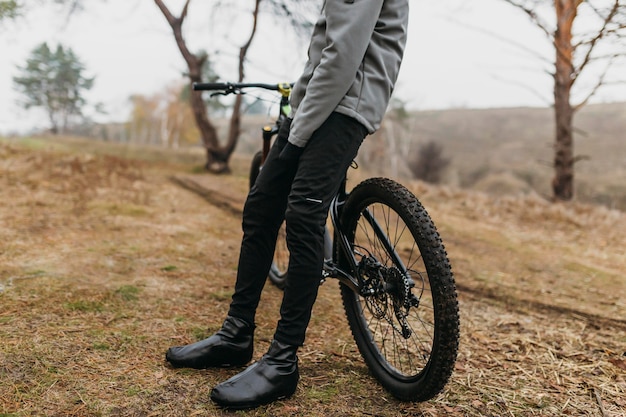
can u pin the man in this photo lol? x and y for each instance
(354, 58)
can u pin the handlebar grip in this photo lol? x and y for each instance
(211, 86)
(232, 87)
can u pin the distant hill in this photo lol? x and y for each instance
(510, 150)
(513, 135)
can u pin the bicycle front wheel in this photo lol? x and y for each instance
(405, 319)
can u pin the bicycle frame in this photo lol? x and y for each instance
(284, 109)
(331, 269)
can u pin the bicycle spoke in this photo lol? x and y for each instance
(409, 354)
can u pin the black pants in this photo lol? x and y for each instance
(299, 192)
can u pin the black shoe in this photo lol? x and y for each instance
(273, 377)
(232, 345)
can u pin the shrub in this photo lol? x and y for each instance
(429, 164)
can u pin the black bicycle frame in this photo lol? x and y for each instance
(270, 131)
(331, 268)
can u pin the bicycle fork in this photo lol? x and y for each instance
(355, 280)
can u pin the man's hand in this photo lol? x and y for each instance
(290, 152)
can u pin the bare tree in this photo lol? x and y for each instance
(218, 154)
(575, 53)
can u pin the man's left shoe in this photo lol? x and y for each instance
(232, 345)
(273, 377)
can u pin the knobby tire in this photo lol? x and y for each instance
(410, 351)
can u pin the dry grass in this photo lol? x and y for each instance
(105, 262)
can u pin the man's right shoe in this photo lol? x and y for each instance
(273, 377)
(232, 345)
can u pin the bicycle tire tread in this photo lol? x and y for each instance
(439, 368)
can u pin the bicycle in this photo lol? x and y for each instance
(396, 282)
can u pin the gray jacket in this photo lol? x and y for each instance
(354, 58)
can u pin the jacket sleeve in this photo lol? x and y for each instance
(349, 28)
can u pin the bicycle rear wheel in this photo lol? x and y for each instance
(405, 321)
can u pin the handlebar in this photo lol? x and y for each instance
(232, 88)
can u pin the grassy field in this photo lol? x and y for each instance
(106, 261)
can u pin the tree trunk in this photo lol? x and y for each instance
(235, 119)
(194, 64)
(218, 157)
(563, 182)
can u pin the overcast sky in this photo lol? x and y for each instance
(452, 58)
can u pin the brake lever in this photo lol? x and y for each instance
(228, 92)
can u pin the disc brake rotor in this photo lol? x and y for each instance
(384, 284)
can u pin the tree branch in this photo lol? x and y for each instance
(168, 15)
(511, 42)
(243, 51)
(594, 41)
(525, 87)
(595, 88)
(176, 23)
(235, 119)
(533, 17)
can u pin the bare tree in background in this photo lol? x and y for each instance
(603, 43)
(218, 154)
